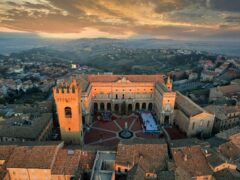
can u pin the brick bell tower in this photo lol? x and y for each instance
(68, 102)
(168, 103)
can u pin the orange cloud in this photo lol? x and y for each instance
(119, 18)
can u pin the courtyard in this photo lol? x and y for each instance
(107, 132)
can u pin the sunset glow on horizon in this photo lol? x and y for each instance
(177, 19)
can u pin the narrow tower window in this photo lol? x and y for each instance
(68, 112)
(73, 89)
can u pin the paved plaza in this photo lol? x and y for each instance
(107, 132)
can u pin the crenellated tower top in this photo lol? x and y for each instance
(67, 88)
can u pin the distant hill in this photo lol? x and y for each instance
(231, 48)
(16, 42)
(112, 57)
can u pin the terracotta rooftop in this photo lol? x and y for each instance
(132, 78)
(5, 151)
(233, 88)
(235, 139)
(182, 143)
(68, 162)
(192, 161)
(187, 106)
(230, 151)
(222, 111)
(40, 157)
(85, 80)
(151, 157)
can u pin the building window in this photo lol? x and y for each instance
(193, 125)
(73, 89)
(68, 112)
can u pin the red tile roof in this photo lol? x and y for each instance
(191, 160)
(40, 157)
(5, 151)
(230, 150)
(68, 162)
(234, 88)
(132, 78)
(150, 155)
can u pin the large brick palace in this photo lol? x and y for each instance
(77, 99)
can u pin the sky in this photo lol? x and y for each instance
(163, 19)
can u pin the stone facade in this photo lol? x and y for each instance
(124, 94)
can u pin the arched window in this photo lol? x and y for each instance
(68, 112)
(116, 107)
(102, 106)
(137, 106)
(150, 106)
(95, 107)
(129, 108)
(144, 106)
(73, 89)
(109, 106)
